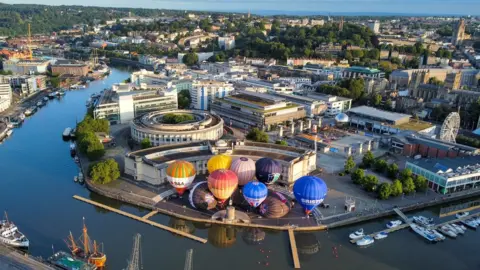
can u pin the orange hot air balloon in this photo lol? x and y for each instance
(181, 174)
(222, 183)
(219, 162)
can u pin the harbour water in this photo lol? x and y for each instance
(36, 188)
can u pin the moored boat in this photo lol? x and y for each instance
(393, 224)
(45, 99)
(66, 133)
(469, 223)
(357, 234)
(40, 104)
(421, 220)
(365, 241)
(446, 230)
(10, 235)
(439, 236)
(88, 252)
(21, 116)
(65, 261)
(462, 214)
(423, 232)
(9, 132)
(380, 235)
(72, 133)
(457, 228)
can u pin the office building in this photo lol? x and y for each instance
(312, 106)
(62, 67)
(226, 43)
(377, 121)
(271, 86)
(335, 104)
(5, 96)
(203, 93)
(25, 85)
(357, 72)
(374, 26)
(249, 109)
(458, 32)
(25, 66)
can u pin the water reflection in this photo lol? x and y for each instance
(253, 236)
(222, 236)
(307, 244)
(181, 225)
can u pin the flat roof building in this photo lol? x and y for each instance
(203, 93)
(335, 104)
(312, 106)
(379, 115)
(249, 109)
(356, 72)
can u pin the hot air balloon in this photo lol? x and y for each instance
(180, 175)
(244, 168)
(219, 162)
(181, 225)
(201, 198)
(253, 236)
(255, 193)
(267, 170)
(273, 207)
(222, 183)
(239, 201)
(307, 244)
(309, 191)
(222, 236)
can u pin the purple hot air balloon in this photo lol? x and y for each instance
(267, 170)
(244, 168)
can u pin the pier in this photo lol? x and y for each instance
(141, 219)
(402, 215)
(293, 247)
(13, 259)
(455, 220)
(151, 214)
(401, 227)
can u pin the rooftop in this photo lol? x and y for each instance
(450, 167)
(414, 125)
(370, 111)
(363, 70)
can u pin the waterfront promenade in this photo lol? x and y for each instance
(11, 259)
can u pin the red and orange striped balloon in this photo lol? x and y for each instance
(222, 183)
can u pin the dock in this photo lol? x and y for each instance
(293, 247)
(151, 214)
(141, 219)
(11, 259)
(402, 215)
(455, 220)
(400, 227)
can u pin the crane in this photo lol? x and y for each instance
(29, 41)
(135, 262)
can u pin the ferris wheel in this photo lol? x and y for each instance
(450, 127)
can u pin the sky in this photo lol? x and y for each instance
(460, 7)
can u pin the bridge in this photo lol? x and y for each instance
(402, 215)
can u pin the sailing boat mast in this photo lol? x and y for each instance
(6, 216)
(85, 238)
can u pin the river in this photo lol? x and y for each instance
(36, 188)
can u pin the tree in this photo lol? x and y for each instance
(184, 99)
(349, 164)
(392, 171)
(388, 104)
(405, 174)
(257, 135)
(145, 143)
(281, 142)
(368, 159)
(370, 182)
(396, 188)
(55, 82)
(104, 172)
(380, 165)
(357, 176)
(384, 191)
(190, 59)
(420, 183)
(408, 185)
(376, 99)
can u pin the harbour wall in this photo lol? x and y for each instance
(131, 63)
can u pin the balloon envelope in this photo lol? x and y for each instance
(219, 162)
(309, 191)
(201, 198)
(273, 207)
(267, 170)
(222, 183)
(180, 175)
(244, 168)
(255, 193)
(253, 236)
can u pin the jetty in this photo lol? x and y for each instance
(400, 227)
(455, 220)
(141, 219)
(151, 214)
(402, 215)
(293, 248)
(13, 259)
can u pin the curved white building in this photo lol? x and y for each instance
(205, 126)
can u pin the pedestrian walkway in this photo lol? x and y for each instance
(162, 196)
(317, 215)
(402, 215)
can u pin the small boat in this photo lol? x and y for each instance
(10, 125)
(9, 132)
(357, 234)
(16, 122)
(66, 133)
(423, 232)
(77, 160)
(45, 99)
(40, 104)
(439, 235)
(60, 93)
(393, 224)
(28, 112)
(21, 116)
(469, 223)
(462, 214)
(474, 220)
(448, 231)
(52, 95)
(75, 179)
(365, 241)
(63, 260)
(10, 235)
(457, 228)
(380, 235)
(80, 178)
(72, 133)
(461, 226)
(421, 220)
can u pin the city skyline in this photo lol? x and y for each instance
(300, 7)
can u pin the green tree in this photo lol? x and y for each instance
(357, 176)
(396, 188)
(281, 142)
(190, 59)
(184, 99)
(376, 100)
(368, 159)
(349, 164)
(420, 183)
(380, 165)
(145, 143)
(384, 191)
(392, 171)
(408, 185)
(370, 182)
(55, 82)
(257, 135)
(104, 172)
(405, 174)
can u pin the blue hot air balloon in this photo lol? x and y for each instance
(267, 170)
(310, 191)
(255, 193)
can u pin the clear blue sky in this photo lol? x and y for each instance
(465, 7)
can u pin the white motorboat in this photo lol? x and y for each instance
(448, 231)
(457, 228)
(365, 241)
(9, 132)
(45, 99)
(393, 224)
(10, 235)
(40, 104)
(75, 179)
(10, 125)
(380, 235)
(66, 133)
(462, 214)
(421, 220)
(461, 226)
(357, 234)
(21, 116)
(439, 235)
(469, 223)
(423, 232)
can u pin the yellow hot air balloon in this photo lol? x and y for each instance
(219, 162)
